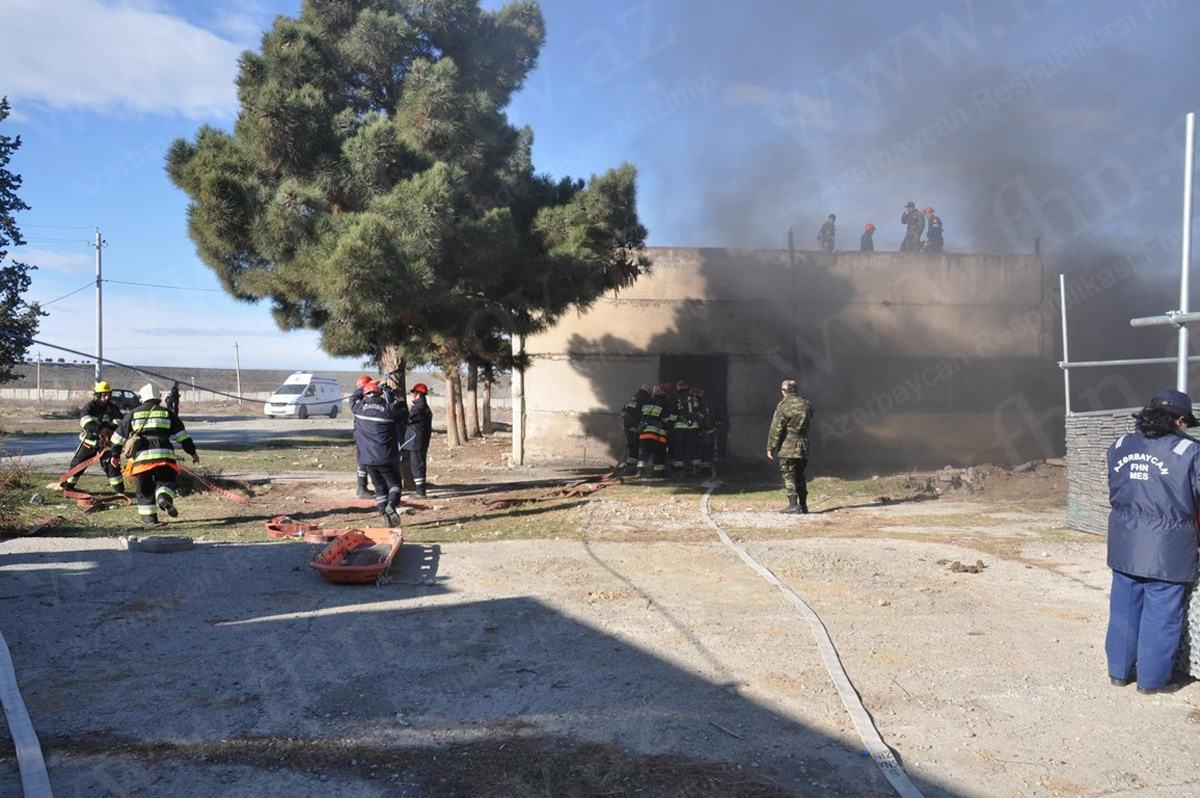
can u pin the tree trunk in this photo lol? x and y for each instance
(452, 438)
(460, 416)
(487, 399)
(472, 399)
(390, 360)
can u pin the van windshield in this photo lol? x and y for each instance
(290, 390)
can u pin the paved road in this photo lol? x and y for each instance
(54, 451)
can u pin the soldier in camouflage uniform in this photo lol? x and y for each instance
(787, 442)
(914, 222)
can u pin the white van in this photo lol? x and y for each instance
(305, 394)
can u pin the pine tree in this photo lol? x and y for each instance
(18, 319)
(373, 189)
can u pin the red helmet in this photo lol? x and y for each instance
(869, 227)
(420, 387)
(363, 380)
(928, 209)
(681, 386)
(370, 386)
(697, 390)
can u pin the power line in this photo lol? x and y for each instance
(173, 287)
(64, 296)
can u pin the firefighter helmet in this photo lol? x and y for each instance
(149, 391)
(420, 387)
(102, 387)
(870, 227)
(363, 380)
(928, 209)
(372, 387)
(681, 386)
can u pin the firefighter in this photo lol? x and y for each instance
(99, 418)
(708, 428)
(415, 449)
(631, 422)
(687, 426)
(652, 439)
(363, 491)
(144, 439)
(867, 242)
(375, 422)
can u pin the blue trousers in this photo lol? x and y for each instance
(1145, 622)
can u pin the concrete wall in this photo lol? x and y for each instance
(910, 360)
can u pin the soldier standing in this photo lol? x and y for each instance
(933, 225)
(787, 442)
(828, 234)
(914, 222)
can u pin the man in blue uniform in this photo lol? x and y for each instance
(375, 421)
(1154, 489)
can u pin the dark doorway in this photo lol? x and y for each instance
(710, 372)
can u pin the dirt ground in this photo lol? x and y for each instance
(968, 618)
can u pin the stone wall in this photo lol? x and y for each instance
(1088, 438)
(911, 361)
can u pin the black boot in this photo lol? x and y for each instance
(804, 505)
(793, 506)
(363, 492)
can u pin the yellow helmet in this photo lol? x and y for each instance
(102, 387)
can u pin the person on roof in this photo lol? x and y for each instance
(867, 242)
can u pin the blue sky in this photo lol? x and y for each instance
(1014, 118)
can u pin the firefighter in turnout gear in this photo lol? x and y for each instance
(708, 428)
(631, 422)
(149, 430)
(787, 442)
(99, 419)
(652, 437)
(687, 430)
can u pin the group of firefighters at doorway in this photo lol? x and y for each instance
(669, 425)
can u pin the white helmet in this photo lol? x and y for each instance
(149, 391)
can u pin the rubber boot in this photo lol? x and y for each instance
(793, 506)
(363, 492)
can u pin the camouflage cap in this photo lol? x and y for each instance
(789, 386)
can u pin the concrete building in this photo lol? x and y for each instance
(910, 360)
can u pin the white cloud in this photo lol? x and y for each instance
(60, 262)
(115, 56)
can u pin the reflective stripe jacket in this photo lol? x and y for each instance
(158, 427)
(96, 419)
(1153, 487)
(375, 422)
(420, 426)
(654, 426)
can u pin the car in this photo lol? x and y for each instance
(125, 399)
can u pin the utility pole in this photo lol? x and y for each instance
(99, 315)
(237, 362)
